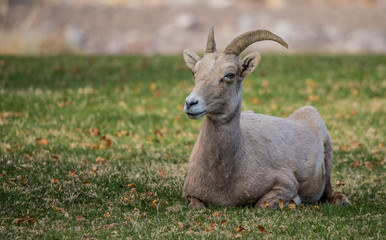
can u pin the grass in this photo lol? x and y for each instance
(97, 147)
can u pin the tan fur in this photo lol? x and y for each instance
(243, 158)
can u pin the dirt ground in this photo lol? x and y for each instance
(155, 26)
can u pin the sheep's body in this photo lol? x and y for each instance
(242, 158)
(265, 151)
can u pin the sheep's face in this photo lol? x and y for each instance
(218, 83)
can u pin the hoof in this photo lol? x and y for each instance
(195, 203)
(340, 199)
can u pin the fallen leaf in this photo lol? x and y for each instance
(54, 156)
(127, 200)
(100, 160)
(290, 206)
(181, 225)
(281, 203)
(109, 225)
(158, 133)
(72, 172)
(54, 181)
(160, 173)
(86, 182)
(374, 151)
(355, 164)
(313, 98)
(131, 185)
(61, 210)
(106, 215)
(314, 207)
(264, 83)
(216, 213)
(240, 229)
(152, 86)
(255, 100)
(223, 221)
(368, 165)
(106, 140)
(79, 218)
(23, 219)
(42, 141)
(238, 236)
(210, 228)
(94, 131)
(262, 229)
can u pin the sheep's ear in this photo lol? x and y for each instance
(249, 64)
(191, 58)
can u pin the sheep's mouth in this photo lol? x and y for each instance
(196, 115)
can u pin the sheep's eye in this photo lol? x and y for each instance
(230, 75)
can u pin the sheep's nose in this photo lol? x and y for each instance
(190, 103)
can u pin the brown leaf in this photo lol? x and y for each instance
(100, 160)
(23, 219)
(127, 200)
(54, 181)
(313, 98)
(94, 131)
(262, 229)
(109, 225)
(240, 229)
(281, 203)
(216, 213)
(86, 182)
(314, 207)
(42, 141)
(290, 206)
(79, 218)
(255, 100)
(72, 172)
(160, 173)
(368, 165)
(181, 225)
(158, 133)
(106, 215)
(152, 86)
(355, 164)
(131, 185)
(223, 221)
(54, 156)
(106, 140)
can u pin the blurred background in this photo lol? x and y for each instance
(169, 26)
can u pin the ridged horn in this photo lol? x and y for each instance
(244, 40)
(211, 44)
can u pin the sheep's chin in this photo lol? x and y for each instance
(196, 115)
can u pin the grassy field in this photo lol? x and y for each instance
(97, 147)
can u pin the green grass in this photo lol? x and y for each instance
(48, 157)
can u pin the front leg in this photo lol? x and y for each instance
(285, 188)
(195, 203)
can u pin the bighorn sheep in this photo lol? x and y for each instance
(244, 158)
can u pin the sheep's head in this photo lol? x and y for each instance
(218, 75)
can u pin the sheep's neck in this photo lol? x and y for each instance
(221, 140)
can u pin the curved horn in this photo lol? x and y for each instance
(244, 40)
(211, 44)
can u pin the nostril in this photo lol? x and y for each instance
(191, 103)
